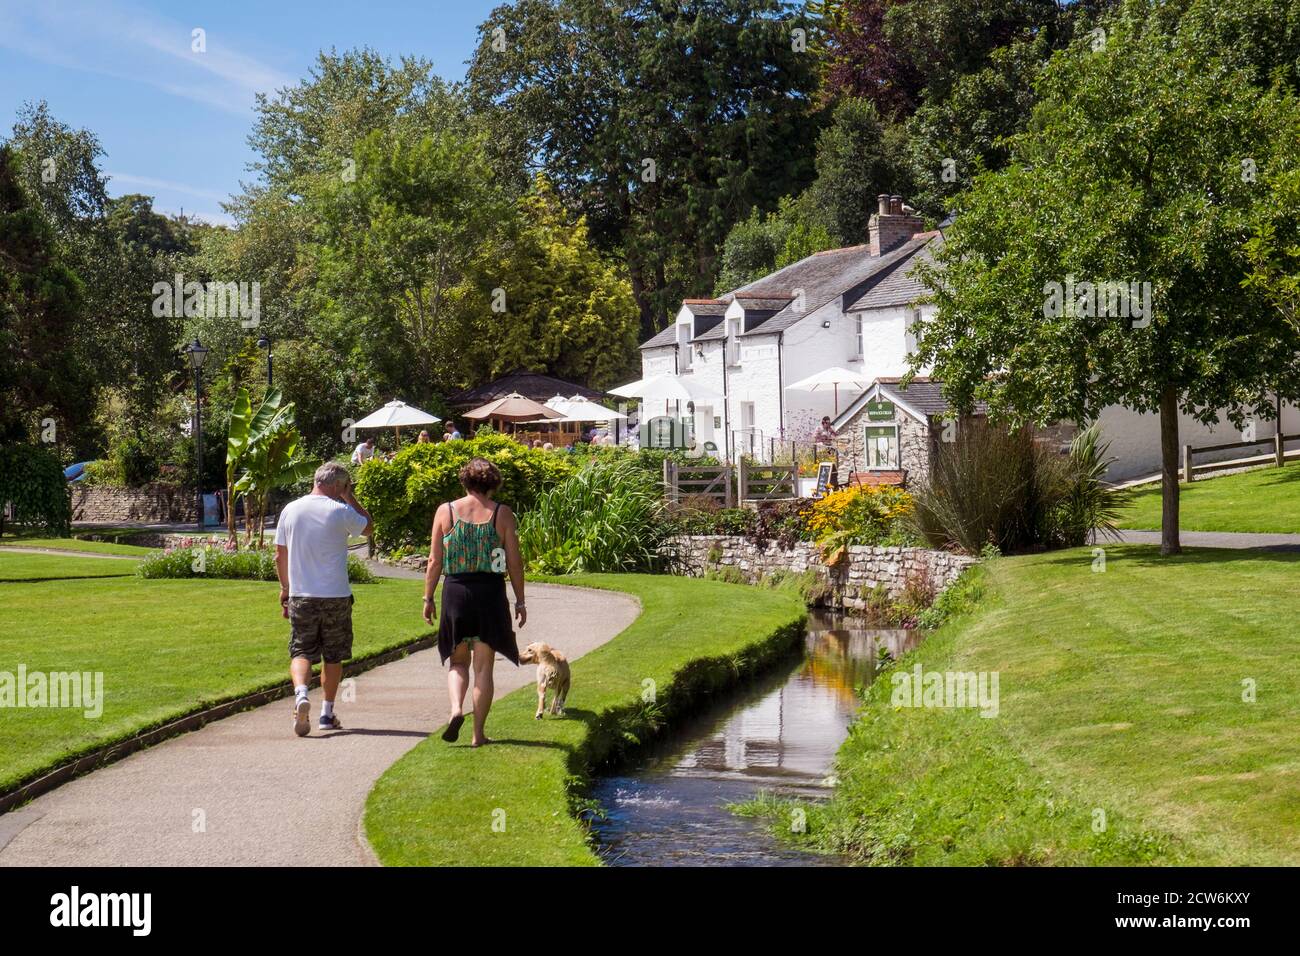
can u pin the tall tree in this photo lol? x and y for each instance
(663, 124)
(563, 307)
(1130, 171)
(40, 303)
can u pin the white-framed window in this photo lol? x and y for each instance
(687, 350)
(882, 447)
(857, 327)
(733, 343)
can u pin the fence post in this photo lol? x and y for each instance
(742, 480)
(1187, 464)
(726, 484)
(670, 492)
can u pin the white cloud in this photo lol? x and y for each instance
(114, 40)
(149, 182)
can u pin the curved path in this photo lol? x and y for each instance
(245, 791)
(1235, 540)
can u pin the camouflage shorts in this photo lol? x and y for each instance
(320, 627)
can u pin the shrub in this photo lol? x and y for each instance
(702, 514)
(1001, 490)
(31, 480)
(217, 559)
(607, 517)
(402, 495)
(990, 486)
(860, 515)
(1086, 503)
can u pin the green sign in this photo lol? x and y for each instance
(880, 411)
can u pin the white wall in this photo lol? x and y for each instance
(1135, 439)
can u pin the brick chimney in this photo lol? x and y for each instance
(892, 225)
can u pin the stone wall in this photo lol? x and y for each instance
(864, 569)
(151, 504)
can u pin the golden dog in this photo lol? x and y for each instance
(552, 674)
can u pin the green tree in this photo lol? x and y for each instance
(40, 311)
(566, 309)
(397, 253)
(662, 124)
(858, 158)
(1130, 170)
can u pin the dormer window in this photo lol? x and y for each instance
(684, 343)
(857, 327)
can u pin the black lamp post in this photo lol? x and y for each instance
(265, 343)
(196, 353)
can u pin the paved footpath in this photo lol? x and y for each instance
(266, 797)
(1219, 539)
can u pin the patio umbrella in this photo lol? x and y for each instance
(832, 378)
(668, 388)
(514, 408)
(396, 414)
(579, 409)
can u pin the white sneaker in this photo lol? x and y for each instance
(302, 717)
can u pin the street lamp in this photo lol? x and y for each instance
(196, 353)
(265, 343)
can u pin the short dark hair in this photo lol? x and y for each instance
(480, 475)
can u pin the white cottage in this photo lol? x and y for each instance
(844, 307)
(854, 308)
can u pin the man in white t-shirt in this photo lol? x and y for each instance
(311, 561)
(364, 451)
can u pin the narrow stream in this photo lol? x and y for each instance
(778, 734)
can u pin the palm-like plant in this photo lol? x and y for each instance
(264, 445)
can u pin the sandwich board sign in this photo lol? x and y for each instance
(825, 473)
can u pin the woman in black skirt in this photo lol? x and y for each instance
(475, 543)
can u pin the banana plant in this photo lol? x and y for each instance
(262, 454)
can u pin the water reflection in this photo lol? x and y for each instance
(779, 734)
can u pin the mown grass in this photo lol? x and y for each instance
(512, 803)
(165, 647)
(74, 544)
(1266, 500)
(1121, 694)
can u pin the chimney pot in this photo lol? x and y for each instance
(883, 204)
(895, 205)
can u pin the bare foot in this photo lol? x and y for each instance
(480, 743)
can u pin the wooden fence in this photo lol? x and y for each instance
(1278, 442)
(730, 485)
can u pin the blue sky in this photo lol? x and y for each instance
(173, 123)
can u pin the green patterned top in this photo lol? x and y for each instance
(471, 548)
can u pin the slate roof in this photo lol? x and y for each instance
(895, 286)
(769, 302)
(923, 394)
(666, 337)
(535, 385)
(823, 277)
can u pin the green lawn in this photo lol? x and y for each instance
(76, 544)
(439, 803)
(1266, 500)
(165, 648)
(1120, 692)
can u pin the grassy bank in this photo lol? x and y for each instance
(1266, 500)
(439, 803)
(165, 648)
(1121, 693)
